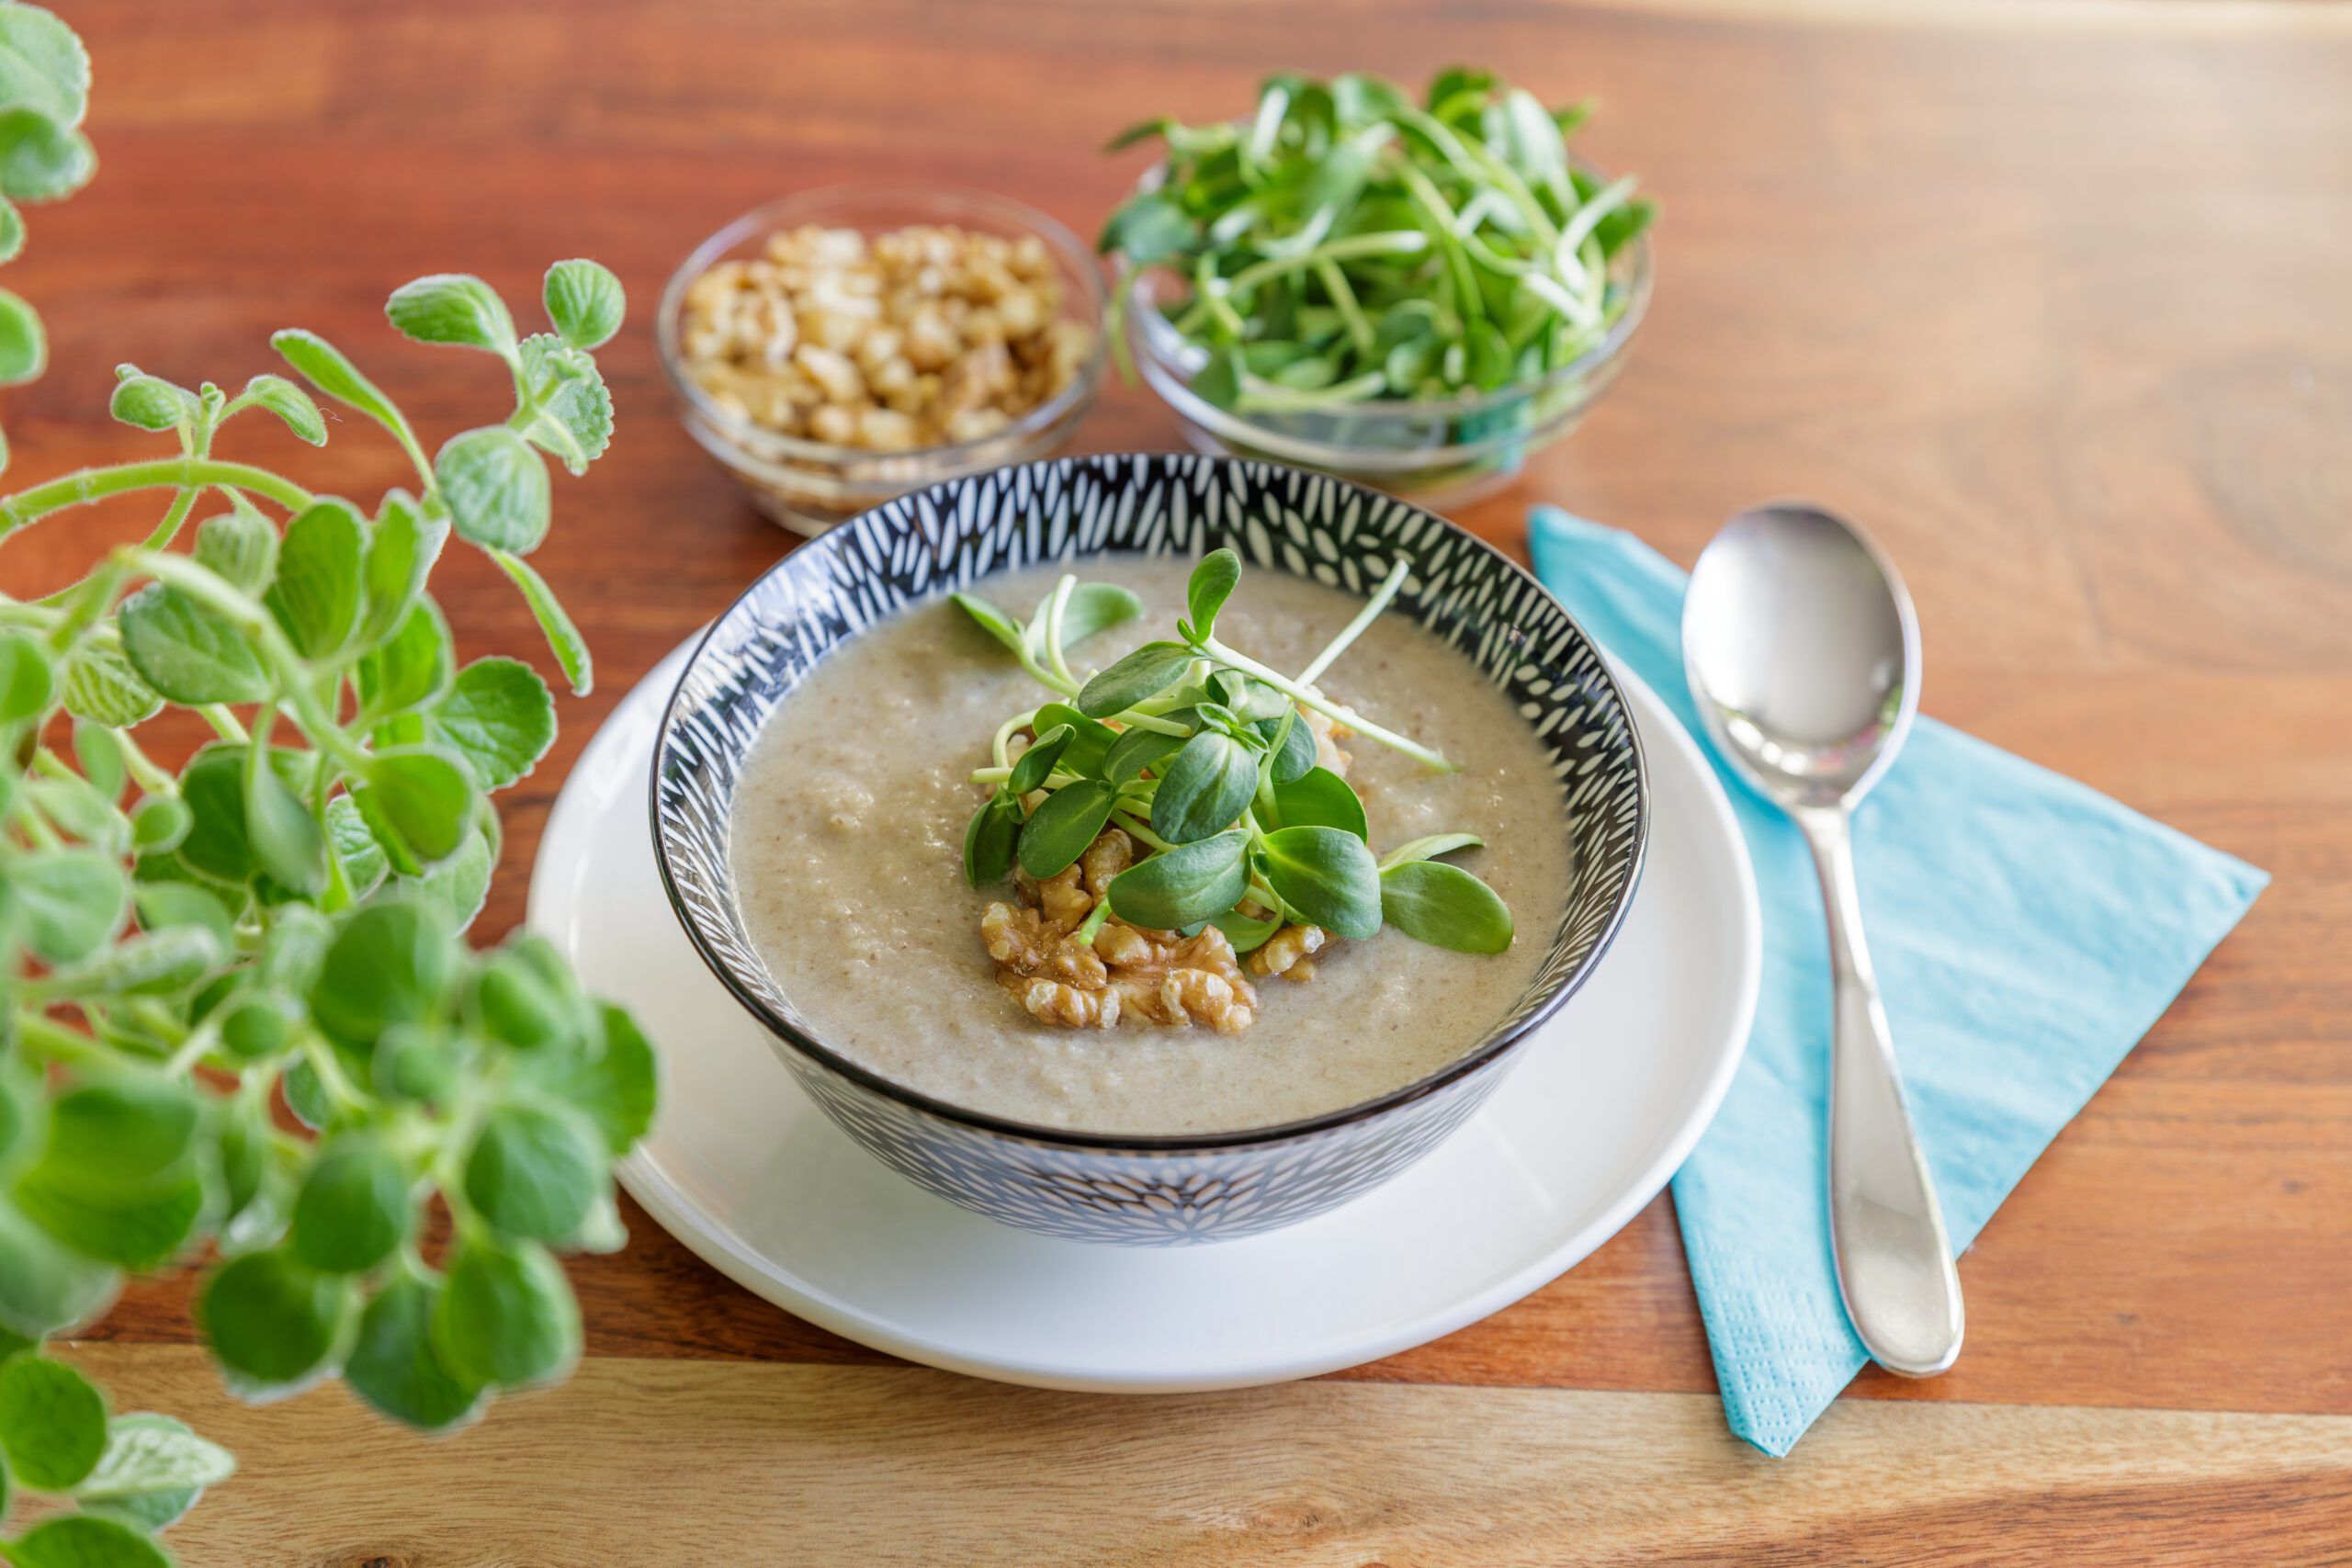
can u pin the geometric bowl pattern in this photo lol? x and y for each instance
(1132, 1188)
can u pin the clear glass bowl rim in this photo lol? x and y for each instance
(1162, 349)
(803, 206)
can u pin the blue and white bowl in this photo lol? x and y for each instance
(1133, 1188)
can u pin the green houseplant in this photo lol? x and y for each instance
(240, 1025)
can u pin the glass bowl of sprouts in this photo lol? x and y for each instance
(1411, 295)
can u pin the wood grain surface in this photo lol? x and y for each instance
(2051, 294)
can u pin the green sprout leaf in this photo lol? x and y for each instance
(1325, 874)
(1091, 739)
(1445, 906)
(1211, 584)
(1185, 886)
(994, 621)
(453, 308)
(496, 488)
(1320, 797)
(1059, 831)
(1140, 676)
(1034, 766)
(53, 1423)
(1136, 751)
(585, 302)
(989, 837)
(401, 551)
(1204, 789)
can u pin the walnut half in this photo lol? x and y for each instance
(1126, 973)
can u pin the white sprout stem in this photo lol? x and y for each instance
(1324, 705)
(1054, 608)
(1002, 748)
(1128, 820)
(1380, 600)
(1581, 224)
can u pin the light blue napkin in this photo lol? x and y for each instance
(2027, 930)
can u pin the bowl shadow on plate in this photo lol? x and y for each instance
(1131, 1189)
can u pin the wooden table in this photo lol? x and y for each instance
(2052, 294)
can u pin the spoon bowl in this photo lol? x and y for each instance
(1803, 650)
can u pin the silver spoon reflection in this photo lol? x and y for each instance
(1802, 655)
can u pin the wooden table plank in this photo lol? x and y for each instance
(667, 1462)
(2050, 294)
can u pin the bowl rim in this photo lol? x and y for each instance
(782, 1032)
(1158, 348)
(771, 446)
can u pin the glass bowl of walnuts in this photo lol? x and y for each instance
(845, 345)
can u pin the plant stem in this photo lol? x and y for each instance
(1324, 705)
(1054, 608)
(44, 1036)
(1128, 820)
(86, 485)
(1356, 629)
(1385, 243)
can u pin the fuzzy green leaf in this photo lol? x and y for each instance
(41, 160)
(24, 344)
(274, 1324)
(586, 301)
(290, 404)
(190, 651)
(452, 307)
(496, 490)
(498, 717)
(318, 596)
(394, 1367)
(53, 1423)
(506, 1314)
(564, 641)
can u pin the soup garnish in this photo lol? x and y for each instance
(1199, 799)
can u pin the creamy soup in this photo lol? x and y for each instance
(847, 850)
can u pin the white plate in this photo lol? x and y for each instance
(1604, 1104)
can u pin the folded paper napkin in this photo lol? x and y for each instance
(2026, 930)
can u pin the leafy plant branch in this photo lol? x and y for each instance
(280, 921)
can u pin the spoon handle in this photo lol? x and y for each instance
(1895, 1265)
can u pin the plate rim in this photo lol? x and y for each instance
(717, 1244)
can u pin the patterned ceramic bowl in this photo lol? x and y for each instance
(1124, 1188)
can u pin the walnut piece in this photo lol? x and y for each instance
(1286, 953)
(1126, 973)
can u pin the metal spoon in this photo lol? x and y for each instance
(1802, 655)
